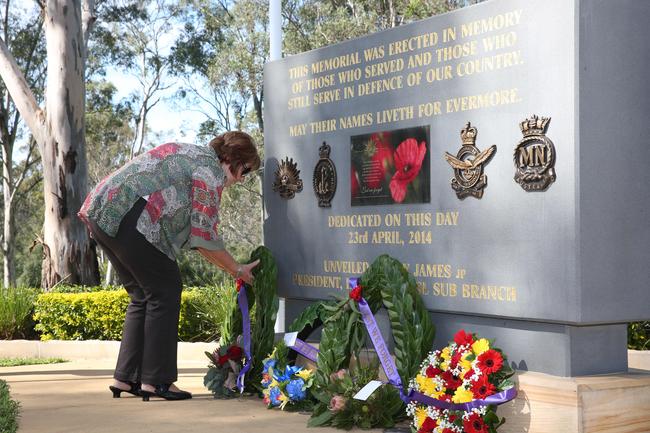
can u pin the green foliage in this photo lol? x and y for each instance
(262, 295)
(379, 410)
(385, 283)
(16, 307)
(14, 362)
(638, 336)
(99, 315)
(8, 410)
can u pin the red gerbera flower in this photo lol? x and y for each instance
(433, 371)
(223, 359)
(356, 293)
(454, 360)
(447, 430)
(482, 388)
(451, 381)
(428, 425)
(408, 162)
(461, 338)
(475, 424)
(490, 361)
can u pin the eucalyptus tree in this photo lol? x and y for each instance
(21, 28)
(58, 130)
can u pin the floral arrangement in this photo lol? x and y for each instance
(469, 369)
(343, 411)
(225, 364)
(285, 386)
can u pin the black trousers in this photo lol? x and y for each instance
(153, 282)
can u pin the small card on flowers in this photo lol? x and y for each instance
(458, 387)
(367, 390)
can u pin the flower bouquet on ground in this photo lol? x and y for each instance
(283, 385)
(380, 409)
(460, 386)
(225, 364)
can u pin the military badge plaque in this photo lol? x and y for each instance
(287, 179)
(469, 179)
(535, 155)
(325, 177)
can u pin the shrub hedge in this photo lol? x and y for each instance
(99, 315)
(8, 410)
(16, 308)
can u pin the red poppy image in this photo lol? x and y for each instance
(461, 338)
(408, 162)
(490, 361)
(482, 388)
(475, 424)
(428, 425)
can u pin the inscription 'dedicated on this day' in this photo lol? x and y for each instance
(433, 279)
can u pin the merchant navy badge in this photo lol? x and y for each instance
(324, 177)
(287, 180)
(535, 156)
(468, 165)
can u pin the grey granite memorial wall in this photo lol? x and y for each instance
(538, 236)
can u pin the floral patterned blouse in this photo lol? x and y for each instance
(182, 184)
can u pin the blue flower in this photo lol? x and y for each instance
(288, 372)
(295, 391)
(269, 363)
(274, 396)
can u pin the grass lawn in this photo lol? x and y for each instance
(13, 362)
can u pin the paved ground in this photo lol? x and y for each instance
(74, 397)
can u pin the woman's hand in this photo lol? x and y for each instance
(246, 271)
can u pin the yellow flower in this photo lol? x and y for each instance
(444, 365)
(446, 354)
(274, 383)
(304, 374)
(428, 386)
(480, 346)
(462, 396)
(465, 364)
(421, 415)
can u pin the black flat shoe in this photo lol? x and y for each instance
(163, 391)
(135, 390)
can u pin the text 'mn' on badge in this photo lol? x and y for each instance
(469, 179)
(325, 177)
(535, 155)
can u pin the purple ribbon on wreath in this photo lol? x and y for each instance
(390, 369)
(242, 300)
(303, 348)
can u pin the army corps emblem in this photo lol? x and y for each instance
(535, 156)
(287, 179)
(324, 177)
(468, 165)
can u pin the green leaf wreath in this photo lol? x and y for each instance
(339, 376)
(262, 296)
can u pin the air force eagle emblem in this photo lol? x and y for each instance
(468, 165)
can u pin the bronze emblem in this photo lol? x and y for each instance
(468, 165)
(287, 181)
(535, 156)
(324, 177)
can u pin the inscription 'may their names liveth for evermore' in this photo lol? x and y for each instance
(423, 60)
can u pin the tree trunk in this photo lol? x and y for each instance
(9, 276)
(68, 254)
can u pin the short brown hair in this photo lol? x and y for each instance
(237, 149)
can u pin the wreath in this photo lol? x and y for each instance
(340, 375)
(261, 297)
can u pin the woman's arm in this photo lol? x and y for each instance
(225, 261)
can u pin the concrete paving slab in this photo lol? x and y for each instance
(74, 397)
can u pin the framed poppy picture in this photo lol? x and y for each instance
(390, 167)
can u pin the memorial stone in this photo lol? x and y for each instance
(540, 242)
